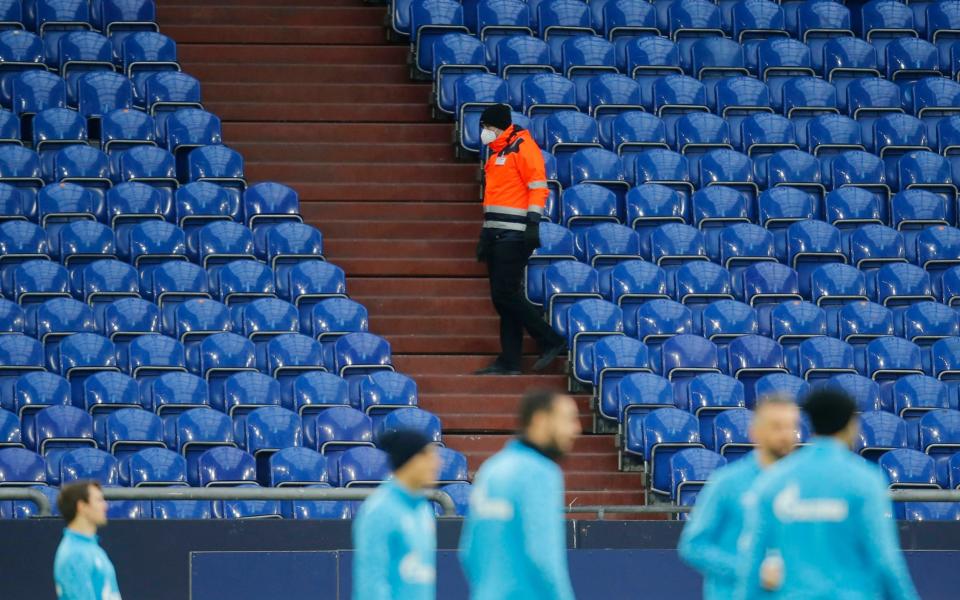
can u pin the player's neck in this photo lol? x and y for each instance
(764, 458)
(406, 483)
(83, 527)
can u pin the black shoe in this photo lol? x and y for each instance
(496, 369)
(549, 356)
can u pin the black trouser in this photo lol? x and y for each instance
(506, 258)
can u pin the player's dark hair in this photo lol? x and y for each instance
(71, 494)
(829, 410)
(533, 402)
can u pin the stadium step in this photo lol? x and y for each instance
(315, 97)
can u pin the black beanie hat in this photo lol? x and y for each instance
(403, 445)
(497, 116)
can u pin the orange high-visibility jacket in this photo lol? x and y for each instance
(516, 181)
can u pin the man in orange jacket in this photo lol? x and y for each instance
(513, 202)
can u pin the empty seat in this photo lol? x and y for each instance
(126, 319)
(690, 470)
(700, 283)
(665, 167)
(711, 394)
(690, 21)
(891, 358)
(648, 59)
(900, 284)
(196, 431)
(219, 243)
(150, 244)
(242, 281)
(586, 322)
(910, 59)
(311, 282)
(150, 356)
(658, 321)
(362, 467)
(338, 428)
(60, 429)
(824, 357)
(924, 323)
(780, 60)
(714, 59)
(151, 166)
(614, 358)
(754, 21)
(683, 357)
(794, 321)
(873, 246)
(674, 244)
(858, 323)
(731, 433)
(675, 96)
(880, 432)
(127, 431)
(175, 393)
(220, 356)
(145, 53)
(666, 432)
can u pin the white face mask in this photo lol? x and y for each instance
(487, 137)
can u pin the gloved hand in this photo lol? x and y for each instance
(531, 236)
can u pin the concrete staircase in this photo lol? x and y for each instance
(315, 97)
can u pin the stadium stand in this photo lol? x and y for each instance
(222, 275)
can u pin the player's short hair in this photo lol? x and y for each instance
(536, 401)
(775, 400)
(71, 494)
(829, 410)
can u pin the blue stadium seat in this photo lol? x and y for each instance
(194, 432)
(584, 57)
(665, 167)
(429, 20)
(622, 22)
(497, 20)
(614, 358)
(891, 358)
(11, 435)
(77, 53)
(900, 284)
(751, 357)
(126, 319)
(149, 245)
(176, 282)
(637, 395)
(805, 98)
(811, 244)
(60, 429)
(472, 94)
(382, 392)
(199, 203)
(175, 393)
(56, 319)
(265, 318)
(657, 321)
(31, 393)
(884, 21)
(829, 135)
(597, 166)
(872, 246)
(360, 354)
(60, 205)
(648, 59)
(124, 128)
(99, 92)
(11, 16)
(780, 60)
(454, 55)
(556, 243)
(517, 59)
(152, 166)
(817, 24)
(908, 469)
(940, 434)
(791, 168)
(915, 395)
(666, 432)
(894, 136)
(728, 168)
(933, 99)
(943, 22)
(150, 356)
(127, 431)
(850, 209)
(339, 428)
(648, 206)
(767, 283)
(545, 94)
(880, 432)
(19, 466)
(605, 245)
(153, 467)
(85, 167)
(232, 467)
(105, 393)
(565, 133)
(242, 281)
(633, 283)
(585, 204)
(270, 203)
(89, 463)
(453, 467)
(674, 244)
(731, 433)
(333, 318)
(559, 20)
(297, 466)
(716, 208)
(167, 92)
(834, 285)
(781, 384)
(84, 354)
(683, 357)
(244, 392)
(910, 59)
(752, 22)
(587, 321)
(737, 98)
(287, 244)
(745, 244)
(288, 356)
(220, 356)
(846, 59)
(859, 323)
(362, 467)
(268, 430)
(928, 171)
(699, 284)
(715, 59)
(924, 323)
(794, 321)
(690, 470)
(711, 394)
(410, 419)
(675, 96)
(864, 391)
(219, 243)
(145, 53)
(690, 21)
(220, 165)
(824, 357)
(34, 282)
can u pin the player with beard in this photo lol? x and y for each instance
(709, 540)
(514, 544)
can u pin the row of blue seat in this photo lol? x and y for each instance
(774, 62)
(877, 20)
(103, 15)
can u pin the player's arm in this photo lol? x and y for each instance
(699, 543)
(544, 535)
(752, 546)
(75, 581)
(371, 570)
(534, 173)
(883, 545)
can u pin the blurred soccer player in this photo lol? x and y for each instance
(81, 569)
(820, 526)
(514, 545)
(394, 534)
(709, 540)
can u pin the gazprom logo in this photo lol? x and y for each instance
(790, 508)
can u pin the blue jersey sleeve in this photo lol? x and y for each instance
(752, 546)
(883, 545)
(544, 534)
(371, 560)
(700, 543)
(74, 579)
